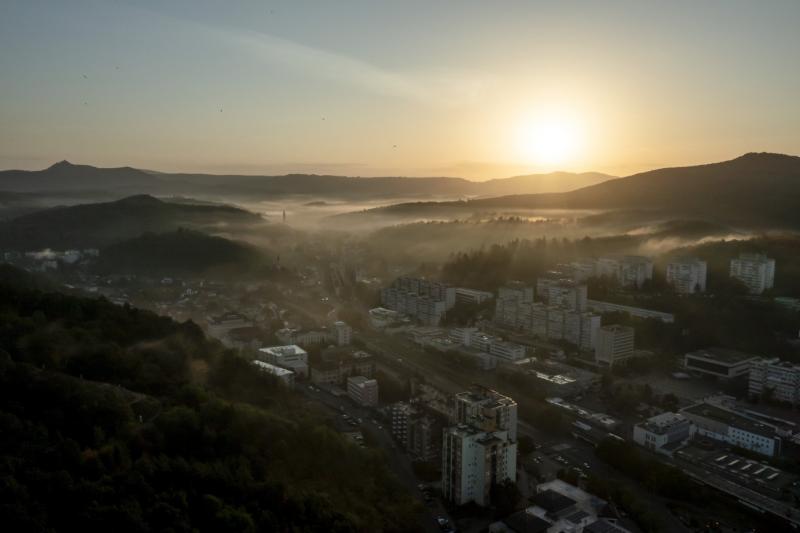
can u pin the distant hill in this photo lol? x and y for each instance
(756, 189)
(179, 253)
(100, 224)
(65, 176)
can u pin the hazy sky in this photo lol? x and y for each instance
(478, 89)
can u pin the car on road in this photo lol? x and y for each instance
(442, 521)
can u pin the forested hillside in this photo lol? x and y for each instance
(115, 419)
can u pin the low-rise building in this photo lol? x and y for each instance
(380, 317)
(363, 390)
(291, 357)
(731, 427)
(472, 296)
(285, 376)
(720, 362)
(663, 433)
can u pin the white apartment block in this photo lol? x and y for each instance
(756, 271)
(463, 336)
(473, 461)
(425, 300)
(363, 391)
(517, 291)
(343, 333)
(291, 357)
(687, 275)
(508, 351)
(486, 409)
(780, 380)
(568, 295)
(628, 270)
(614, 344)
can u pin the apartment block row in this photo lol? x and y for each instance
(424, 300)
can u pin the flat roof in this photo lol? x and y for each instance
(552, 501)
(730, 418)
(723, 355)
(272, 369)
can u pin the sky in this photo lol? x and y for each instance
(416, 88)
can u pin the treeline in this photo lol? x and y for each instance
(112, 418)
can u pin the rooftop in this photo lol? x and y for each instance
(723, 355)
(272, 369)
(552, 502)
(524, 522)
(730, 418)
(660, 424)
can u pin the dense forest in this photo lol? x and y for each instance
(181, 252)
(113, 418)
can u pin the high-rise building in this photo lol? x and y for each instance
(687, 275)
(425, 300)
(343, 333)
(567, 294)
(614, 344)
(480, 450)
(473, 461)
(779, 380)
(756, 271)
(486, 409)
(627, 270)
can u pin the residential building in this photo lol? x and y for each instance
(516, 290)
(343, 333)
(336, 367)
(473, 461)
(775, 379)
(291, 357)
(614, 344)
(687, 275)
(472, 296)
(627, 270)
(486, 409)
(567, 294)
(729, 426)
(362, 390)
(463, 336)
(720, 362)
(422, 299)
(284, 375)
(418, 429)
(663, 433)
(756, 271)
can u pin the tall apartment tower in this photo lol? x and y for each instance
(687, 275)
(614, 344)
(756, 271)
(480, 450)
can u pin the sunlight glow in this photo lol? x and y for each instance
(550, 139)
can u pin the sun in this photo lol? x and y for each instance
(550, 139)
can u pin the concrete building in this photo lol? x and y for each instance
(507, 351)
(627, 270)
(614, 344)
(756, 271)
(473, 461)
(687, 275)
(418, 429)
(343, 333)
(220, 326)
(639, 312)
(486, 409)
(291, 357)
(775, 379)
(424, 300)
(463, 336)
(726, 425)
(380, 317)
(720, 362)
(284, 375)
(472, 296)
(516, 290)
(336, 368)
(663, 433)
(568, 295)
(363, 391)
